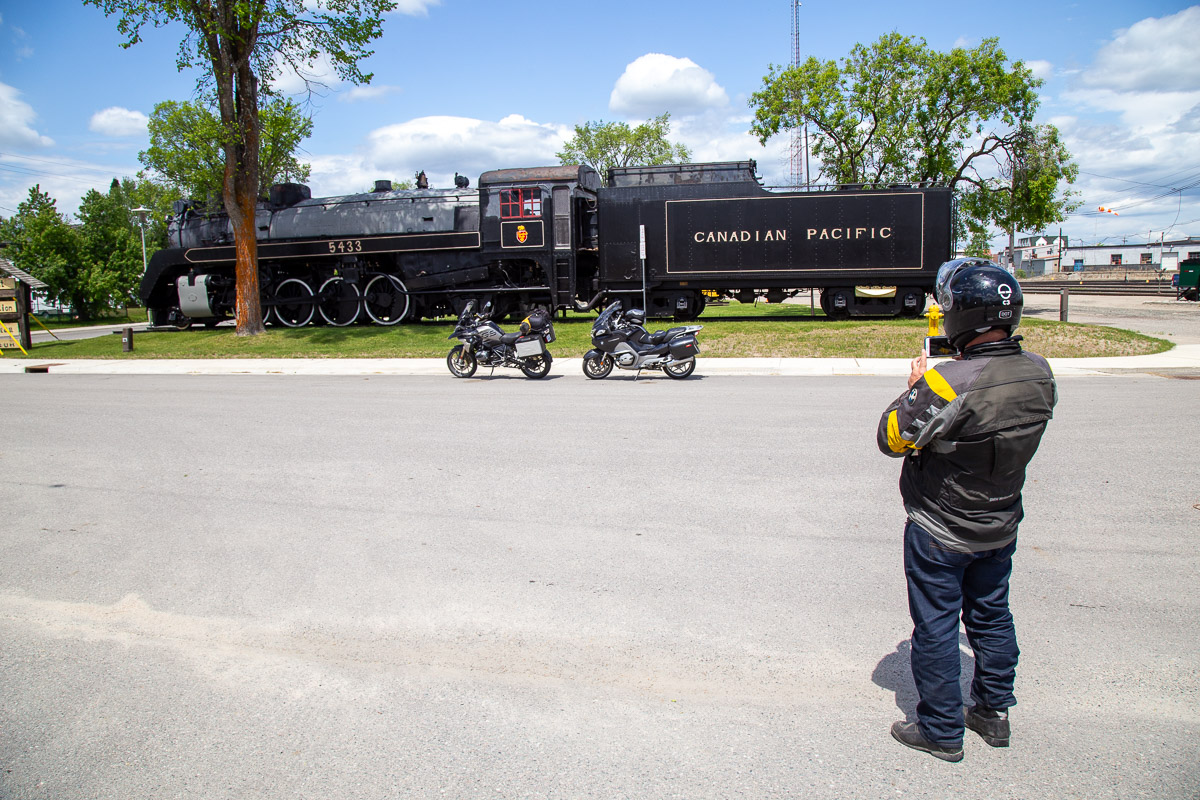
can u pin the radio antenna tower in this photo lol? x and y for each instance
(799, 146)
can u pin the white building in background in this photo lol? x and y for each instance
(1046, 254)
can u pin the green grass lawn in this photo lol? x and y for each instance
(721, 338)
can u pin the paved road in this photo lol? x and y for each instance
(87, 332)
(318, 587)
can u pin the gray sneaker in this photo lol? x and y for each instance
(989, 723)
(909, 735)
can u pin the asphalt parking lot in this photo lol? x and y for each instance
(366, 587)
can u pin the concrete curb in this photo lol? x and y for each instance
(1181, 357)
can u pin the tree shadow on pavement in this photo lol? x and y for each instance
(894, 673)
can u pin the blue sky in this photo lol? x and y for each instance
(466, 86)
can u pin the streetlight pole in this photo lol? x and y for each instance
(141, 212)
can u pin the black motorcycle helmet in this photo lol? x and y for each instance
(975, 296)
(636, 315)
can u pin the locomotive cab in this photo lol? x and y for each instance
(539, 224)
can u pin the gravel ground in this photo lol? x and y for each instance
(1176, 321)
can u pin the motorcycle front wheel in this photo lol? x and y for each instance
(597, 367)
(536, 366)
(461, 362)
(680, 369)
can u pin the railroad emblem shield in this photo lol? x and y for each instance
(522, 234)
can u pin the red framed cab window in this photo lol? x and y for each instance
(520, 203)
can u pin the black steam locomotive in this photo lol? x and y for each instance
(555, 237)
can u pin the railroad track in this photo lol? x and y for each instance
(1133, 286)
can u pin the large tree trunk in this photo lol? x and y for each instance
(241, 200)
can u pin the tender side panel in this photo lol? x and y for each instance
(880, 233)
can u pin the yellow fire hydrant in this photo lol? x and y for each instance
(935, 315)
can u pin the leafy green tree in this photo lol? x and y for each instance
(110, 246)
(242, 46)
(187, 150)
(42, 242)
(897, 111)
(603, 145)
(110, 237)
(979, 246)
(96, 264)
(145, 192)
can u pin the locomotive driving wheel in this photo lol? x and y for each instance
(386, 300)
(294, 306)
(340, 302)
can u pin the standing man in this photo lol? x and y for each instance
(966, 430)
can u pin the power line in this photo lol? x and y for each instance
(71, 164)
(22, 169)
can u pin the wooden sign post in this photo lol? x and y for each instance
(16, 290)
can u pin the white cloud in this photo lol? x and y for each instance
(118, 122)
(1134, 129)
(655, 83)
(441, 146)
(1156, 54)
(416, 8)
(317, 76)
(1041, 69)
(370, 92)
(16, 119)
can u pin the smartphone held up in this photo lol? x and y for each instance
(939, 347)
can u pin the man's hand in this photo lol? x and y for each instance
(917, 365)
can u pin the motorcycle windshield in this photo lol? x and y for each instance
(606, 317)
(467, 311)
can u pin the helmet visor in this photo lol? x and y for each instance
(945, 298)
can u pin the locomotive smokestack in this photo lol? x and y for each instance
(383, 186)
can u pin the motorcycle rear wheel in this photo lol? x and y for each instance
(462, 363)
(680, 369)
(537, 366)
(597, 367)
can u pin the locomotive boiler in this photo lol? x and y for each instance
(555, 237)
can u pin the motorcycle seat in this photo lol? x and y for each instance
(510, 338)
(659, 337)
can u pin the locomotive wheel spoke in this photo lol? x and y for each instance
(340, 302)
(294, 305)
(386, 300)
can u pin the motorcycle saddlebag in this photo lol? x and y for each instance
(528, 346)
(684, 347)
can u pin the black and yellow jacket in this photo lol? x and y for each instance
(967, 430)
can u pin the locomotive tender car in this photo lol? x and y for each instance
(553, 236)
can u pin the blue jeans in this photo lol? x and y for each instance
(942, 584)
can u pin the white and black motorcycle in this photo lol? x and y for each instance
(485, 343)
(621, 340)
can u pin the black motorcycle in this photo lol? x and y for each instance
(621, 340)
(485, 343)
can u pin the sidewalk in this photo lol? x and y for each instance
(1185, 357)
